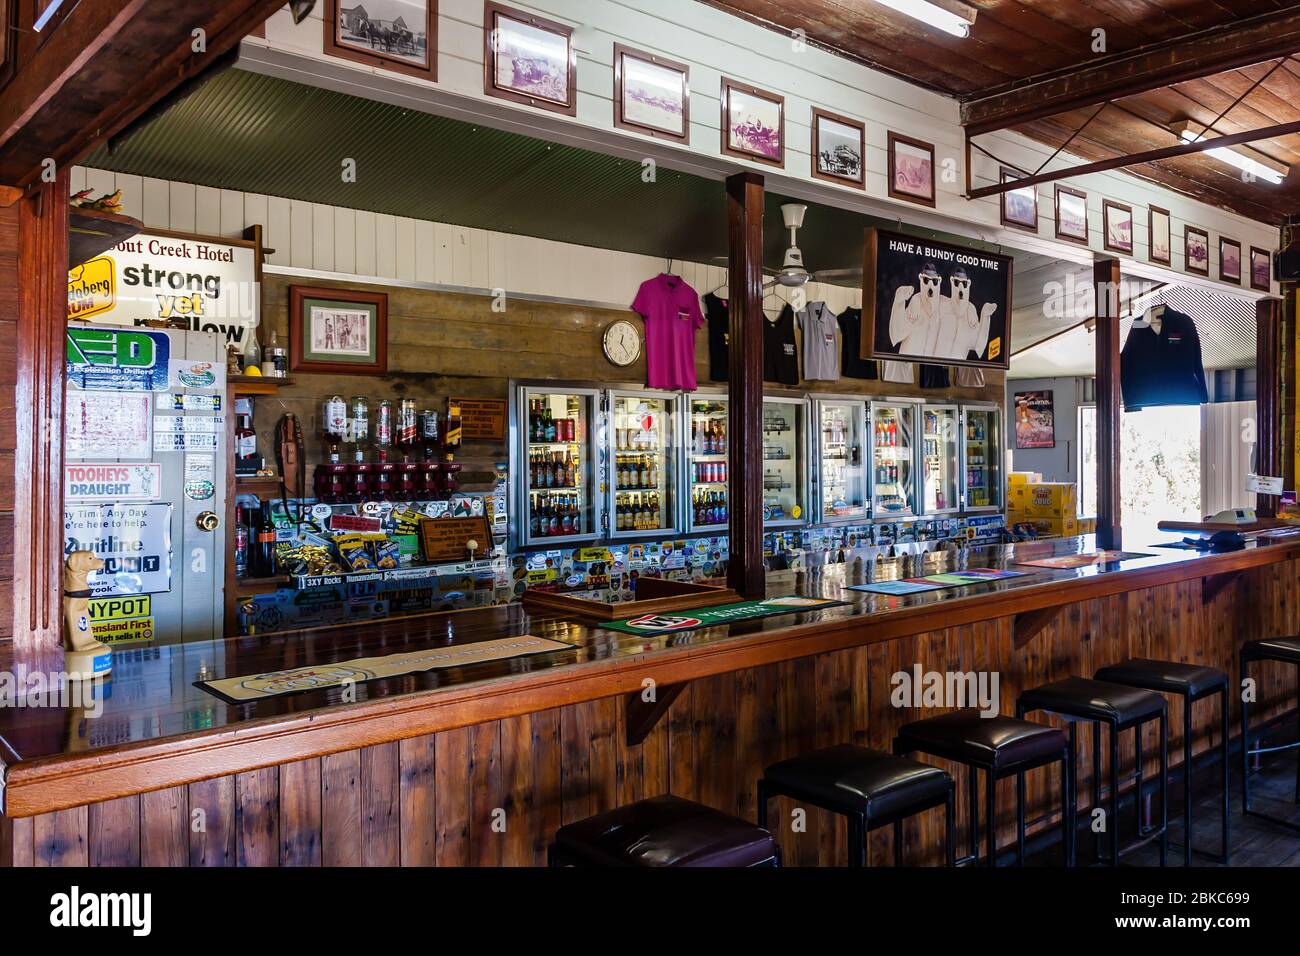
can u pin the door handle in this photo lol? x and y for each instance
(208, 521)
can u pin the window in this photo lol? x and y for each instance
(1087, 441)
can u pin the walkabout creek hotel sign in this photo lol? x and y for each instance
(208, 285)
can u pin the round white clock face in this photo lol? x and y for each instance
(622, 343)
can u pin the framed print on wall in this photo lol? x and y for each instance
(839, 149)
(1117, 226)
(652, 94)
(1261, 269)
(1019, 206)
(1035, 419)
(1230, 260)
(911, 169)
(528, 59)
(1071, 215)
(398, 35)
(1158, 233)
(753, 123)
(1196, 245)
(338, 331)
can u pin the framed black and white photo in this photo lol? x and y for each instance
(529, 59)
(1261, 269)
(1019, 206)
(839, 148)
(753, 123)
(652, 94)
(398, 35)
(1196, 249)
(338, 331)
(911, 169)
(1117, 226)
(1071, 214)
(1158, 231)
(1230, 260)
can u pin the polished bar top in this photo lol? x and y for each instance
(152, 710)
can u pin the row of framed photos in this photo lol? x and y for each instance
(1020, 211)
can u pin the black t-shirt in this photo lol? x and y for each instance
(934, 376)
(780, 362)
(852, 365)
(715, 310)
(1163, 369)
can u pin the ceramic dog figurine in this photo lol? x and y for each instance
(84, 657)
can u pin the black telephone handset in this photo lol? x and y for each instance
(1219, 541)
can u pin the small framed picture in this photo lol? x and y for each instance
(1196, 245)
(338, 331)
(398, 35)
(1229, 260)
(1161, 248)
(1071, 214)
(1261, 269)
(911, 169)
(839, 145)
(1117, 226)
(1019, 206)
(753, 123)
(530, 60)
(652, 94)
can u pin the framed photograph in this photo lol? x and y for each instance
(528, 59)
(839, 148)
(1117, 226)
(911, 169)
(1019, 206)
(1161, 249)
(1230, 260)
(1035, 420)
(753, 123)
(1261, 269)
(652, 94)
(338, 331)
(1196, 246)
(398, 35)
(1071, 214)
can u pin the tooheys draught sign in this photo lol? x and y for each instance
(208, 284)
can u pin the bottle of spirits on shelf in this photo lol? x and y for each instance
(245, 440)
(241, 542)
(262, 563)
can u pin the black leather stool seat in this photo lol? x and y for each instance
(1170, 677)
(999, 743)
(857, 780)
(1273, 649)
(1095, 700)
(664, 831)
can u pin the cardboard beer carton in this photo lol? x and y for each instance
(1051, 499)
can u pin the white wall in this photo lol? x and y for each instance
(1062, 462)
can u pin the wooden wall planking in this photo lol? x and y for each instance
(493, 793)
(8, 400)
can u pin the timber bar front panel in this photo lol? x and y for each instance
(493, 793)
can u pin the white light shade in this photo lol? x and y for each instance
(1233, 158)
(935, 16)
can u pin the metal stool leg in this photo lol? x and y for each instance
(1187, 779)
(1069, 783)
(762, 804)
(1020, 819)
(1164, 789)
(1223, 759)
(1112, 824)
(1297, 763)
(898, 843)
(1096, 785)
(973, 795)
(1245, 742)
(1137, 785)
(857, 841)
(950, 827)
(991, 810)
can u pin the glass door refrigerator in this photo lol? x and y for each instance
(785, 461)
(893, 459)
(706, 467)
(982, 457)
(841, 469)
(940, 459)
(643, 463)
(558, 474)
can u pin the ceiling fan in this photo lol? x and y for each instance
(793, 274)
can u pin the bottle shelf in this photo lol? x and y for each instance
(250, 586)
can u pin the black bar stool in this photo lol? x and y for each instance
(663, 831)
(871, 788)
(1287, 651)
(1000, 746)
(1121, 708)
(1192, 682)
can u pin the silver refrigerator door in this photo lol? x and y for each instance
(893, 459)
(840, 464)
(558, 473)
(983, 458)
(643, 451)
(941, 441)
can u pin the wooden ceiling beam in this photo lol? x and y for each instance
(1228, 47)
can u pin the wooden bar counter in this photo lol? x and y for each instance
(480, 765)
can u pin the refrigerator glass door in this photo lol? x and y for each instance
(643, 463)
(893, 454)
(785, 477)
(707, 469)
(842, 460)
(983, 459)
(940, 454)
(558, 470)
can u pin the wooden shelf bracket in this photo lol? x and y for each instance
(642, 715)
(1029, 624)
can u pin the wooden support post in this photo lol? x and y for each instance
(1268, 399)
(642, 715)
(1106, 279)
(745, 385)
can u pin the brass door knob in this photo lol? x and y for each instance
(208, 521)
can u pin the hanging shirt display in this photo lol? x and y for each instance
(852, 364)
(671, 310)
(821, 359)
(1163, 368)
(715, 310)
(934, 376)
(780, 362)
(966, 376)
(901, 372)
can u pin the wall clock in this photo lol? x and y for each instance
(622, 343)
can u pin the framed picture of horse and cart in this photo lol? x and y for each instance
(399, 35)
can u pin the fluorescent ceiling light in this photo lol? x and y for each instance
(46, 15)
(941, 14)
(1257, 164)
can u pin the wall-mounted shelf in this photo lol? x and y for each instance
(267, 485)
(256, 384)
(91, 232)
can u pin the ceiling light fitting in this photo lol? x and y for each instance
(950, 16)
(1247, 160)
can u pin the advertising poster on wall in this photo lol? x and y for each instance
(106, 425)
(1035, 420)
(133, 541)
(928, 301)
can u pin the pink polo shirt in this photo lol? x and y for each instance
(671, 310)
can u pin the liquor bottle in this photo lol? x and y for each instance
(241, 542)
(384, 425)
(358, 427)
(334, 424)
(245, 440)
(262, 560)
(452, 435)
(408, 427)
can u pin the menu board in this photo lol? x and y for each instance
(482, 419)
(445, 539)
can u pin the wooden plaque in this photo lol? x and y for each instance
(482, 419)
(443, 539)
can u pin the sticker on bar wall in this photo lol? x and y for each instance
(193, 403)
(120, 360)
(200, 477)
(112, 482)
(133, 541)
(106, 425)
(124, 632)
(187, 373)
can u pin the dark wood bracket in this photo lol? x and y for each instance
(1029, 624)
(1215, 584)
(643, 715)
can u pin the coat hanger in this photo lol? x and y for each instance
(1151, 318)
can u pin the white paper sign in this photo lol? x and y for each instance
(1263, 485)
(106, 424)
(133, 541)
(178, 424)
(184, 441)
(112, 482)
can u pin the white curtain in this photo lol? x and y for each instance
(1227, 454)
